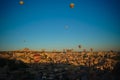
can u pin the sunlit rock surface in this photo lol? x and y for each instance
(59, 65)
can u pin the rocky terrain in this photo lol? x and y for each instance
(30, 65)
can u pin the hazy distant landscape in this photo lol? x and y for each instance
(59, 65)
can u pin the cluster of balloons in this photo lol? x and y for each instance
(71, 4)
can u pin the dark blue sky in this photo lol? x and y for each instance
(42, 24)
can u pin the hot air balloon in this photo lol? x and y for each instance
(66, 27)
(24, 41)
(36, 57)
(21, 2)
(79, 46)
(72, 5)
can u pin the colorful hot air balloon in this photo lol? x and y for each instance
(72, 5)
(36, 57)
(21, 2)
